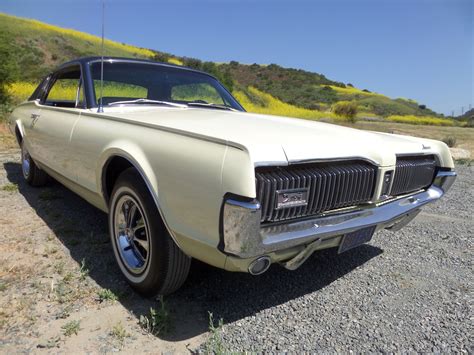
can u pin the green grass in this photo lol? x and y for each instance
(40, 47)
(106, 295)
(10, 187)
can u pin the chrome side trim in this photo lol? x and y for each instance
(246, 238)
(329, 160)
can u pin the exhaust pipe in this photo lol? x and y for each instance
(260, 265)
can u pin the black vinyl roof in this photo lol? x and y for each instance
(88, 60)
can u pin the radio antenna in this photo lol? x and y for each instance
(101, 106)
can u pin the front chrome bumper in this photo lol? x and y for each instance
(243, 236)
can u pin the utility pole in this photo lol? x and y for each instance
(452, 114)
(462, 110)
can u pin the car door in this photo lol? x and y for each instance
(52, 126)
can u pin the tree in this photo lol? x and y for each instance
(8, 68)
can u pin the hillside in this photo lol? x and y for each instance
(32, 49)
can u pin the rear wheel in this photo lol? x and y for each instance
(32, 174)
(147, 255)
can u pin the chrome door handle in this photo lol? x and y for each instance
(35, 116)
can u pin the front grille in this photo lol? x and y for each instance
(413, 173)
(330, 186)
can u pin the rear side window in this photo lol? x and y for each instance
(65, 91)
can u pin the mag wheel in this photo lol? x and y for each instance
(145, 252)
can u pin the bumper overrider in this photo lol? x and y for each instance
(245, 237)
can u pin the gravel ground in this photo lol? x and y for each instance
(404, 291)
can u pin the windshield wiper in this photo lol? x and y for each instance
(211, 105)
(147, 101)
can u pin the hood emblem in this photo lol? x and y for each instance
(291, 198)
(426, 146)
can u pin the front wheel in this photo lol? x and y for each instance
(33, 175)
(145, 252)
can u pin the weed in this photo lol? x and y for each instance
(157, 322)
(467, 162)
(11, 187)
(214, 344)
(64, 313)
(59, 267)
(450, 141)
(62, 292)
(68, 277)
(74, 242)
(118, 332)
(71, 328)
(50, 343)
(36, 284)
(51, 250)
(3, 286)
(55, 215)
(49, 195)
(66, 230)
(84, 271)
(106, 295)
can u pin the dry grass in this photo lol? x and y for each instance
(464, 135)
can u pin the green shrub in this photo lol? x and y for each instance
(450, 141)
(345, 109)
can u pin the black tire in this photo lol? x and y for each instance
(147, 255)
(33, 175)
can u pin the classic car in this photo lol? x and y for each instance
(184, 172)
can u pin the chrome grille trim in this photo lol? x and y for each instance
(331, 185)
(413, 173)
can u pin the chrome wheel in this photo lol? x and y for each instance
(131, 235)
(25, 163)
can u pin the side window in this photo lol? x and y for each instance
(196, 92)
(114, 91)
(65, 89)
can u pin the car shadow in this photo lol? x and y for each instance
(231, 296)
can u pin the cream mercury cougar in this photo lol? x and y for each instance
(184, 172)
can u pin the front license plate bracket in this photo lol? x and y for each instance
(356, 238)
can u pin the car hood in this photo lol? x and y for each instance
(279, 140)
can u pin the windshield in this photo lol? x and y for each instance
(143, 83)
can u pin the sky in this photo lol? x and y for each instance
(418, 49)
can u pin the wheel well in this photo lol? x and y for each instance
(19, 138)
(113, 168)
